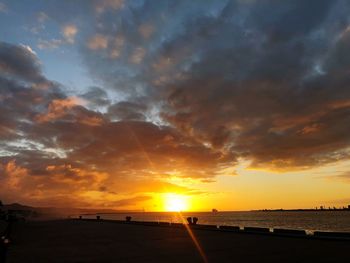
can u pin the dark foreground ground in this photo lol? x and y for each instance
(82, 241)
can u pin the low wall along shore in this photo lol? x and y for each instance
(237, 229)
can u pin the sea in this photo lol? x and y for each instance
(307, 220)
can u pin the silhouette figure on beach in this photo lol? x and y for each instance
(192, 221)
(189, 220)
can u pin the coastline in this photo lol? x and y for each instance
(335, 221)
(302, 210)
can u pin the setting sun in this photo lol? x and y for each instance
(175, 203)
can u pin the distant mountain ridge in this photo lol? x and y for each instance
(59, 211)
(17, 206)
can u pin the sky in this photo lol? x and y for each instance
(135, 104)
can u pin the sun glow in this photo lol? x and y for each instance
(175, 203)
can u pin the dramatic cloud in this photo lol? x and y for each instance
(127, 111)
(179, 88)
(96, 97)
(52, 145)
(19, 62)
(271, 89)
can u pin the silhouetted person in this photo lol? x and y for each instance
(195, 220)
(128, 218)
(189, 220)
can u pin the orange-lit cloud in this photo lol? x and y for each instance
(59, 108)
(69, 32)
(98, 42)
(137, 55)
(146, 30)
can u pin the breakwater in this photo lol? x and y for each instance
(236, 229)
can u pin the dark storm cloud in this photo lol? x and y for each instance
(263, 80)
(24, 91)
(127, 111)
(20, 61)
(96, 96)
(249, 112)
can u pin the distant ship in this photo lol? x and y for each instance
(214, 210)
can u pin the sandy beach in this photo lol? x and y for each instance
(84, 241)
